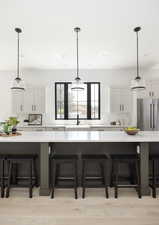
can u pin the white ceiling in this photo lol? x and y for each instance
(106, 41)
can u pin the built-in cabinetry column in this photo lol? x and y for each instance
(44, 169)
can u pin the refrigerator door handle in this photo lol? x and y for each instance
(150, 115)
(153, 115)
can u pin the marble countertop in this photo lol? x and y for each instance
(72, 126)
(83, 136)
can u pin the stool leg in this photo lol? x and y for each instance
(31, 179)
(35, 172)
(53, 178)
(137, 165)
(58, 168)
(105, 180)
(75, 178)
(112, 174)
(14, 173)
(153, 179)
(102, 172)
(83, 178)
(2, 180)
(116, 165)
(9, 179)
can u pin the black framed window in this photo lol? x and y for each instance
(66, 106)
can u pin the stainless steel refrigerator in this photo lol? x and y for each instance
(148, 114)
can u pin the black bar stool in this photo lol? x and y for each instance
(154, 181)
(101, 161)
(12, 162)
(58, 160)
(2, 184)
(133, 164)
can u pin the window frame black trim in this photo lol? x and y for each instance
(88, 101)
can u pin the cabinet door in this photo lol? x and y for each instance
(155, 91)
(125, 100)
(34, 100)
(39, 100)
(29, 100)
(115, 105)
(17, 103)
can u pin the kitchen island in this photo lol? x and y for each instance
(101, 141)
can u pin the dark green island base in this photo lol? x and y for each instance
(43, 150)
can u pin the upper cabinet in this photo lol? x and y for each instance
(31, 101)
(152, 91)
(17, 103)
(120, 100)
(34, 100)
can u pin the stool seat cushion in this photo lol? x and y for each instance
(153, 157)
(20, 156)
(94, 156)
(124, 156)
(64, 156)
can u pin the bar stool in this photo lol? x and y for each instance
(101, 162)
(154, 181)
(57, 160)
(13, 161)
(133, 162)
(2, 184)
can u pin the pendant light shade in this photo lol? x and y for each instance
(18, 83)
(138, 84)
(77, 84)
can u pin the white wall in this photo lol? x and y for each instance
(48, 77)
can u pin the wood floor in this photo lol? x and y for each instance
(65, 210)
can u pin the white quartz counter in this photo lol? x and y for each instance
(83, 136)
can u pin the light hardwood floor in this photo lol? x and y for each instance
(65, 210)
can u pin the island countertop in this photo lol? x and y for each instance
(82, 136)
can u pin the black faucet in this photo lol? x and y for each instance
(78, 121)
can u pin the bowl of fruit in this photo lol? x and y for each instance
(131, 130)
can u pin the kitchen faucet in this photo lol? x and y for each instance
(78, 121)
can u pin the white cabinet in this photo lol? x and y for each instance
(31, 101)
(17, 103)
(151, 91)
(34, 100)
(120, 100)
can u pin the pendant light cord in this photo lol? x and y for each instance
(137, 54)
(77, 57)
(18, 55)
(137, 29)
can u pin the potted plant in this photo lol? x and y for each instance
(7, 127)
(14, 122)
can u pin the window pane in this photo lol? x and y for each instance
(60, 101)
(94, 101)
(77, 103)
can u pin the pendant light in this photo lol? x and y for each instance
(138, 84)
(18, 83)
(77, 85)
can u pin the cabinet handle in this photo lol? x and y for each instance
(21, 108)
(123, 107)
(120, 107)
(34, 107)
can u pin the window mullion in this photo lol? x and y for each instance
(66, 101)
(88, 101)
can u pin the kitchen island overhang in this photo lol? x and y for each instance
(111, 141)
